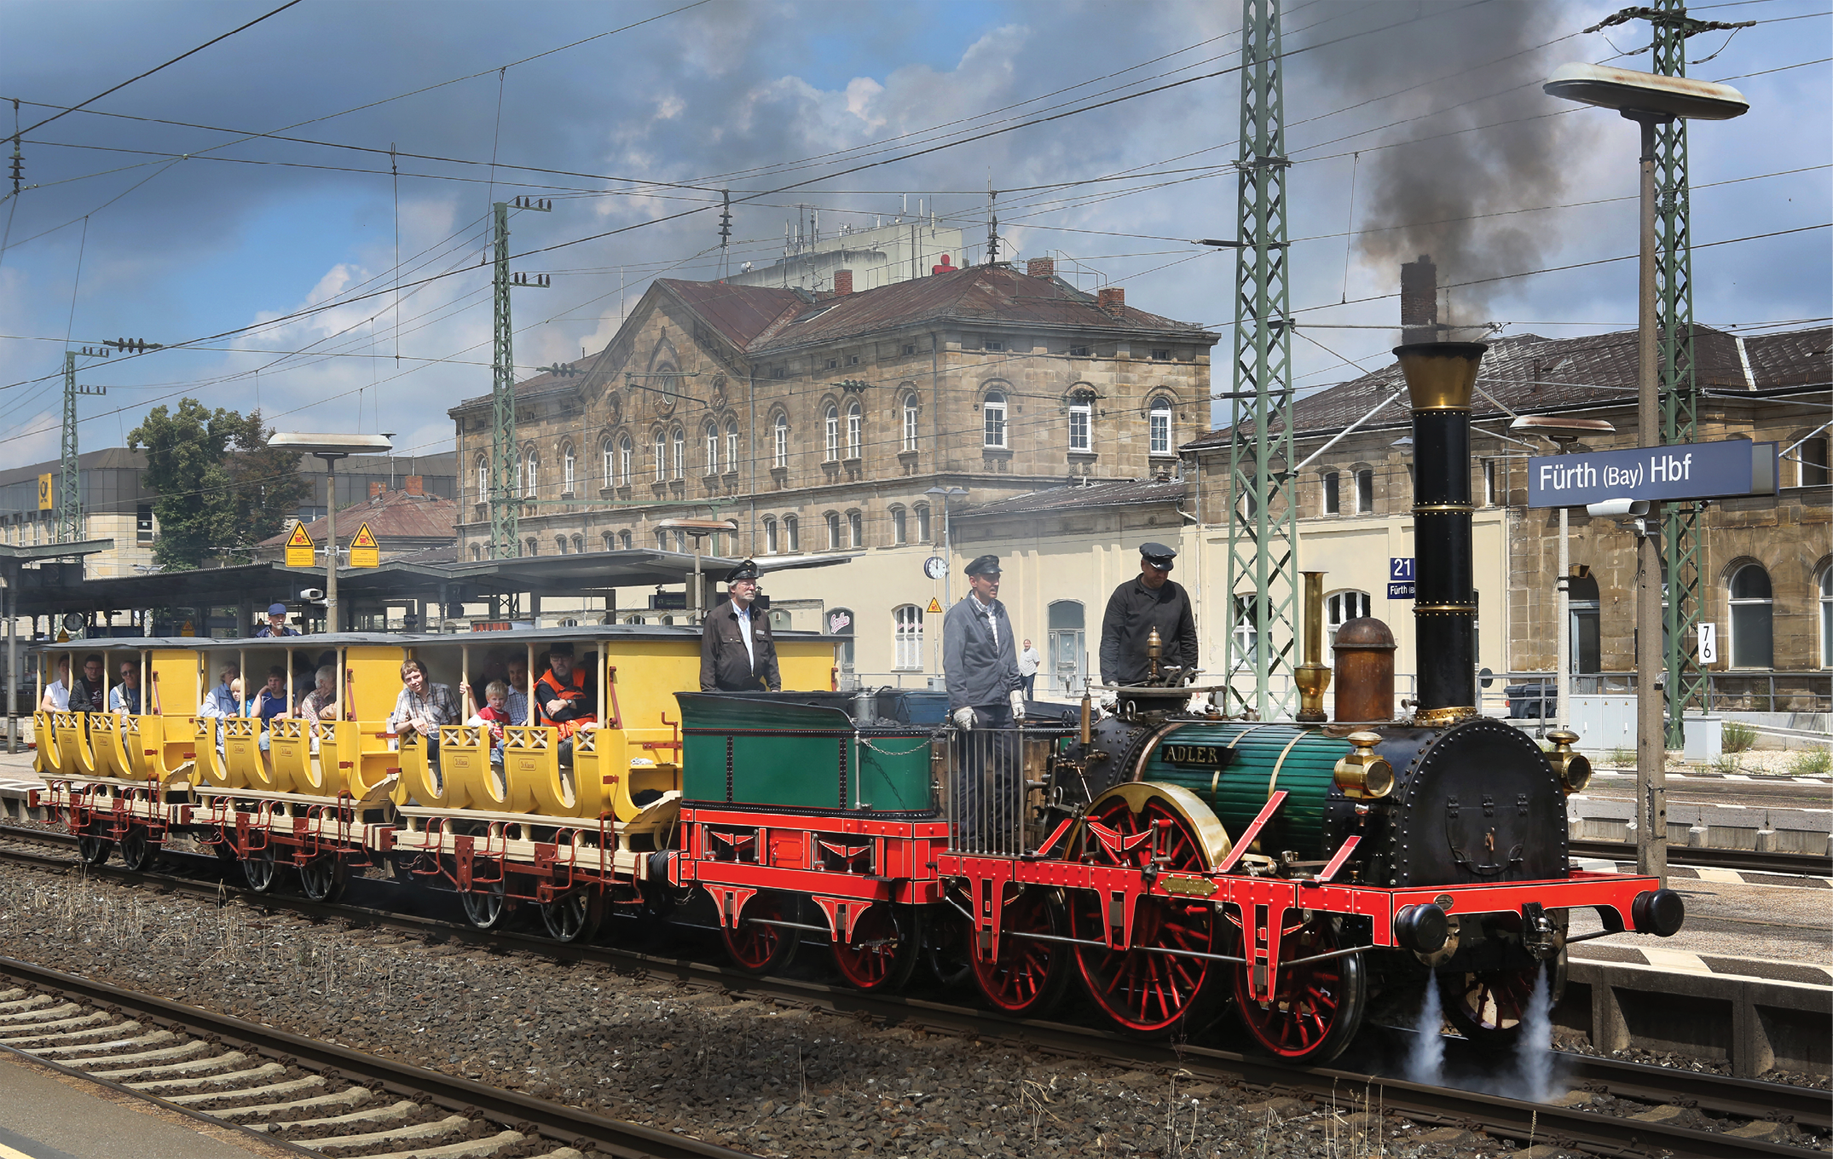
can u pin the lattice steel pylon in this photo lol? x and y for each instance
(1262, 517)
(69, 482)
(505, 466)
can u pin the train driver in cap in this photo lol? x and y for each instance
(737, 653)
(1149, 600)
(985, 691)
(276, 623)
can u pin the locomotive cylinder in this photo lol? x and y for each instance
(1440, 377)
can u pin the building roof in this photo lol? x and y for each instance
(392, 516)
(1081, 497)
(1528, 373)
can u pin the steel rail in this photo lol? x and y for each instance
(1748, 860)
(532, 1116)
(1511, 1118)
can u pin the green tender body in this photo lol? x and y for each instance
(1239, 791)
(799, 756)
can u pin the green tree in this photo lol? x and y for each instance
(222, 489)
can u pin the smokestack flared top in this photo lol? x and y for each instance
(1440, 375)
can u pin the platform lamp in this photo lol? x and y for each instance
(1562, 432)
(1649, 100)
(697, 530)
(330, 448)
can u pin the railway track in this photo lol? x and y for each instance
(1601, 1116)
(1747, 860)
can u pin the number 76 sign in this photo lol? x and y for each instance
(1708, 643)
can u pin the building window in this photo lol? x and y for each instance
(1365, 491)
(833, 364)
(608, 540)
(779, 372)
(681, 542)
(626, 457)
(922, 522)
(1342, 607)
(909, 349)
(712, 448)
(1068, 648)
(731, 444)
(852, 360)
(143, 523)
(624, 540)
(566, 468)
(680, 453)
(910, 422)
(661, 472)
(533, 463)
(661, 541)
(534, 548)
(855, 430)
(770, 547)
(1826, 618)
(477, 553)
(898, 527)
(1333, 494)
(1489, 482)
(579, 544)
(1078, 352)
(1161, 356)
(833, 531)
(830, 433)
(1081, 417)
(560, 544)
(1247, 633)
(610, 453)
(856, 529)
(907, 637)
(1813, 467)
(1158, 426)
(993, 416)
(792, 536)
(483, 478)
(1753, 612)
(780, 439)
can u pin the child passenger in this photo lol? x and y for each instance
(494, 714)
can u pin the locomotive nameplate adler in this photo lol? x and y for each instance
(1207, 755)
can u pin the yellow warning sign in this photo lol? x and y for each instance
(44, 492)
(364, 550)
(299, 550)
(935, 606)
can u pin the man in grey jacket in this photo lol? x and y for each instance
(985, 691)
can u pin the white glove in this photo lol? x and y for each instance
(964, 718)
(1018, 704)
(1110, 701)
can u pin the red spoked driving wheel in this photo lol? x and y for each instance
(883, 949)
(1155, 985)
(759, 945)
(1027, 976)
(1316, 1007)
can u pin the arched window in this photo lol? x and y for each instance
(560, 544)
(792, 538)
(483, 478)
(907, 637)
(1081, 421)
(534, 548)
(712, 447)
(993, 419)
(579, 544)
(770, 542)
(610, 452)
(633, 619)
(830, 433)
(731, 444)
(1333, 493)
(899, 528)
(661, 462)
(608, 540)
(477, 553)
(779, 437)
(910, 422)
(1068, 646)
(855, 430)
(532, 464)
(1158, 427)
(1365, 490)
(566, 467)
(626, 460)
(1753, 612)
(833, 531)
(661, 541)
(922, 522)
(1342, 607)
(681, 542)
(1826, 617)
(680, 453)
(623, 540)
(855, 529)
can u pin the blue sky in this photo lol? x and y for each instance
(1411, 126)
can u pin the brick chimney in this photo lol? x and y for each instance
(376, 489)
(1041, 267)
(415, 485)
(1112, 300)
(843, 282)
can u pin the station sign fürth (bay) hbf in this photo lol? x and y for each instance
(1720, 470)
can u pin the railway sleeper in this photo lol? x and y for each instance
(348, 1097)
(388, 1114)
(159, 1085)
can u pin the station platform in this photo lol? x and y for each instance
(48, 1115)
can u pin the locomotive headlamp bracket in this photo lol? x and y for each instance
(1572, 768)
(1364, 775)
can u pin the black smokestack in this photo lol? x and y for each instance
(1419, 301)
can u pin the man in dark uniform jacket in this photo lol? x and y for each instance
(985, 692)
(1147, 601)
(737, 653)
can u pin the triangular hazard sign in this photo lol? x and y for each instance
(299, 538)
(935, 605)
(364, 537)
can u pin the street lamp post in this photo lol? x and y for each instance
(948, 595)
(699, 529)
(330, 448)
(1649, 100)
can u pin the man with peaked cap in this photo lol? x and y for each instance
(1149, 600)
(737, 653)
(276, 623)
(985, 691)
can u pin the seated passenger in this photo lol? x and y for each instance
(125, 696)
(421, 707)
(517, 704)
(320, 705)
(222, 700)
(57, 693)
(271, 701)
(565, 699)
(494, 714)
(87, 694)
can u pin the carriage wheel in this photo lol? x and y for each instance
(92, 849)
(1489, 1008)
(1317, 1007)
(488, 904)
(261, 868)
(883, 952)
(1145, 991)
(324, 878)
(1028, 976)
(137, 849)
(756, 947)
(574, 917)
